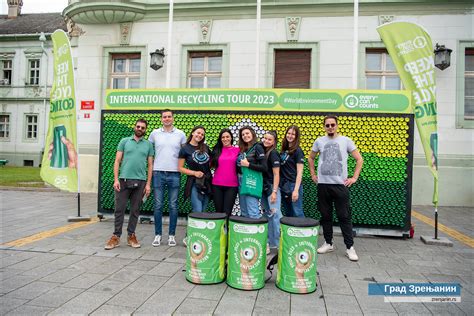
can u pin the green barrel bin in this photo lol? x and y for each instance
(247, 252)
(297, 255)
(206, 250)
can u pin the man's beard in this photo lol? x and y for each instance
(139, 133)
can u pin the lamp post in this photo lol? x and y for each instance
(442, 57)
(442, 61)
(42, 39)
(157, 59)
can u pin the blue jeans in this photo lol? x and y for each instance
(248, 205)
(198, 201)
(161, 181)
(294, 209)
(272, 211)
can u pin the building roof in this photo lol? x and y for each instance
(32, 23)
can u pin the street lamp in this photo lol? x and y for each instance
(442, 57)
(157, 58)
(42, 39)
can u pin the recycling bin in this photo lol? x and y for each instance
(206, 250)
(247, 253)
(297, 255)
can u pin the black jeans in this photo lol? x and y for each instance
(339, 195)
(121, 198)
(224, 198)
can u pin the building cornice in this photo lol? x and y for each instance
(22, 37)
(157, 10)
(104, 12)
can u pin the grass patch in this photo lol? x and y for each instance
(20, 177)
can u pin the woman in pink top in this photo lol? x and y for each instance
(224, 183)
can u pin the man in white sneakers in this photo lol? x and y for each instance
(167, 141)
(333, 183)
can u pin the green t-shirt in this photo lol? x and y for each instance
(135, 157)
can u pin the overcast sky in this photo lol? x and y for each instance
(37, 6)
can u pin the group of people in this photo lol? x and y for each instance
(219, 174)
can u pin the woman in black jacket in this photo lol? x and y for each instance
(252, 156)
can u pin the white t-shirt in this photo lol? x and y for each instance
(333, 153)
(167, 146)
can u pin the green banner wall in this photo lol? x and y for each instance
(355, 101)
(381, 197)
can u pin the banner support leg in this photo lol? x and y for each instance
(78, 204)
(79, 218)
(437, 241)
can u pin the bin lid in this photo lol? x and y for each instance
(246, 220)
(205, 215)
(299, 221)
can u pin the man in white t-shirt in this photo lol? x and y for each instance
(167, 141)
(333, 183)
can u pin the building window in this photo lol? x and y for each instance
(4, 126)
(125, 71)
(380, 70)
(28, 163)
(469, 84)
(31, 131)
(292, 68)
(6, 72)
(205, 69)
(33, 71)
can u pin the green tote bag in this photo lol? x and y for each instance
(252, 182)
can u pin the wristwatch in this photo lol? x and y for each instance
(275, 190)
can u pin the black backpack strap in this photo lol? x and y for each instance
(270, 266)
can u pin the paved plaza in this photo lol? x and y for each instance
(65, 270)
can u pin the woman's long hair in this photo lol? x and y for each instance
(243, 145)
(217, 150)
(286, 146)
(268, 150)
(201, 147)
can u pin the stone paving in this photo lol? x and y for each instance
(71, 273)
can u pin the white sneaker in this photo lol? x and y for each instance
(268, 249)
(157, 241)
(171, 241)
(325, 248)
(185, 241)
(351, 253)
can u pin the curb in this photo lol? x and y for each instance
(46, 189)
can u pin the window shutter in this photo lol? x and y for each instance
(292, 68)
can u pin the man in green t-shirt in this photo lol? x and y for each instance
(134, 158)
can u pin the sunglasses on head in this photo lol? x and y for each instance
(273, 133)
(140, 127)
(330, 125)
